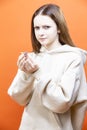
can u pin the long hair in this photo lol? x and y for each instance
(56, 14)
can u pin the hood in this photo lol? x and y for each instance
(66, 49)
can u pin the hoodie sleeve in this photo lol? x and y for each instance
(21, 87)
(60, 97)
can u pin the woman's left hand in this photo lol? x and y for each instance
(26, 63)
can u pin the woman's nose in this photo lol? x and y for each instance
(41, 31)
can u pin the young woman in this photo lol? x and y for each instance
(50, 81)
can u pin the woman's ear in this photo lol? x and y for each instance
(58, 31)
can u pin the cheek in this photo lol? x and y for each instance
(36, 34)
(53, 33)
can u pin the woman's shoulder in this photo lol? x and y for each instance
(76, 53)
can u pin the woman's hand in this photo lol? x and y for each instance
(26, 63)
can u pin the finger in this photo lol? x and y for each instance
(31, 61)
(21, 63)
(25, 54)
(31, 68)
(28, 65)
(20, 58)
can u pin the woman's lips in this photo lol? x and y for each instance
(42, 39)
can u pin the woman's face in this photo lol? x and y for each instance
(46, 31)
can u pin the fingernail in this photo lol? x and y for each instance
(25, 53)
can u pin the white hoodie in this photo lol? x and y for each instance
(55, 97)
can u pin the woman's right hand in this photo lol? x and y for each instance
(26, 63)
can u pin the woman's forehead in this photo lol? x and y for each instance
(43, 19)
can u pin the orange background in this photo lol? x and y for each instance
(15, 18)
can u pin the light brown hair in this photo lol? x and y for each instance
(56, 14)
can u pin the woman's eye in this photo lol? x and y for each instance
(36, 28)
(43, 27)
(46, 27)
